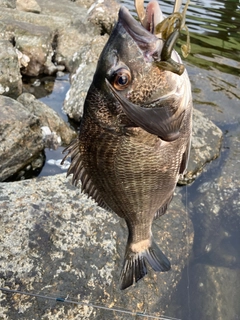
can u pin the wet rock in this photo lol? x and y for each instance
(222, 287)
(206, 146)
(57, 242)
(104, 14)
(214, 208)
(214, 287)
(28, 6)
(10, 77)
(54, 129)
(20, 137)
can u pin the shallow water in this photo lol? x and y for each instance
(210, 287)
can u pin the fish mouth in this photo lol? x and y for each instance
(154, 49)
(145, 40)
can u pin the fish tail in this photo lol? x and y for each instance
(135, 268)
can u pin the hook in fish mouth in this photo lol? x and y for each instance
(168, 29)
(166, 62)
(150, 44)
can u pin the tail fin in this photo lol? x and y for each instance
(134, 267)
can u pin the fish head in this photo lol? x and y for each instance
(131, 70)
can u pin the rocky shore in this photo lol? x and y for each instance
(53, 240)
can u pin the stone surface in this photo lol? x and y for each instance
(81, 80)
(20, 137)
(48, 118)
(51, 39)
(27, 126)
(205, 147)
(8, 3)
(104, 14)
(28, 6)
(58, 243)
(10, 76)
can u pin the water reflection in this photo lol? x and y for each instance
(215, 33)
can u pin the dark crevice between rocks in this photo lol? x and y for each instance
(13, 41)
(54, 48)
(31, 170)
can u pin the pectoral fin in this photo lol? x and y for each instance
(160, 121)
(185, 158)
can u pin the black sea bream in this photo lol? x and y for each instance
(135, 137)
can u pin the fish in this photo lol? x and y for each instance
(135, 136)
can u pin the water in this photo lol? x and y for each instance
(210, 287)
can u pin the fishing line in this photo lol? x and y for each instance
(63, 300)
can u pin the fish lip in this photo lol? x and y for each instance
(145, 40)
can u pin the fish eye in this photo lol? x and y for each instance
(121, 79)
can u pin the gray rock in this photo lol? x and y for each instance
(61, 27)
(20, 137)
(28, 6)
(81, 80)
(10, 77)
(206, 146)
(27, 126)
(48, 118)
(104, 13)
(8, 3)
(34, 42)
(58, 243)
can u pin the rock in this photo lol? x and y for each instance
(10, 77)
(28, 6)
(27, 126)
(81, 80)
(104, 13)
(50, 39)
(8, 3)
(20, 137)
(218, 282)
(58, 243)
(65, 20)
(206, 146)
(57, 128)
(34, 42)
(85, 3)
